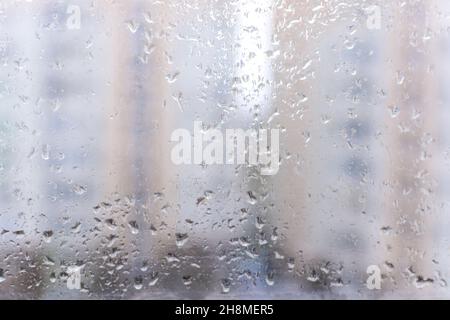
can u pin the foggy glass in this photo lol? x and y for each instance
(92, 204)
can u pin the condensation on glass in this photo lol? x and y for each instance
(92, 205)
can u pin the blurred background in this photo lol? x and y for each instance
(90, 92)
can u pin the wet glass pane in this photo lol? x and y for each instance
(206, 149)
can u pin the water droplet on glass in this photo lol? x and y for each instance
(138, 283)
(270, 278)
(79, 189)
(45, 152)
(132, 26)
(226, 285)
(181, 239)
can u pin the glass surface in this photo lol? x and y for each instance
(93, 203)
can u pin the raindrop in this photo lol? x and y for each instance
(132, 26)
(45, 152)
(79, 189)
(138, 282)
(154, 277)
(251, 198)
(187, 280)
(171, 78)
(270, 278)
(2, 277)
(133, 227)
(181, 239)
(48, 236)
(226, 285)
(395, 111)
